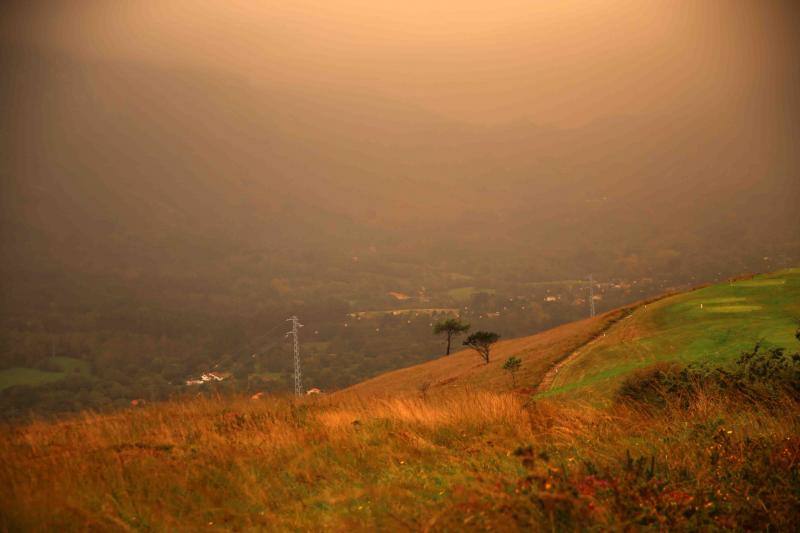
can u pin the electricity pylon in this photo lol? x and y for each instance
(296, 325)
(591, 295)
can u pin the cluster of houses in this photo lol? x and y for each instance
(575, 301)
(209, 377)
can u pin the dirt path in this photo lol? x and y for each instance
(547, 380)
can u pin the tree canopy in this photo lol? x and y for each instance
(481, 342)
(450, 327)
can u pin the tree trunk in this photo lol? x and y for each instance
(449, 337)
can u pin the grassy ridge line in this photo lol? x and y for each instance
(543, 356)
(464, 369)
(540, 354)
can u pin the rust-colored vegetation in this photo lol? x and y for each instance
(469, 459)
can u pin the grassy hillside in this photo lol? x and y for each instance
(465, 368)
(714, 324)
(468, 453)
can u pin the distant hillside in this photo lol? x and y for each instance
(106, 175)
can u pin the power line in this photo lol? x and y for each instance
(296, 325)
(267, 343)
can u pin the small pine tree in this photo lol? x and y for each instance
(512, 366)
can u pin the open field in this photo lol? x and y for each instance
(26, 376)
(714, 324)
(33, 376)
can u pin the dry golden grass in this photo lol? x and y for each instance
(185, 465)
(477, 458)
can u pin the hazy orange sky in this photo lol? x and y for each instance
(565, 63)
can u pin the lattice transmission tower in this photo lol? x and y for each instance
(591, 295)
(296, 325)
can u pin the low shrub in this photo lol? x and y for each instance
(733, 483)
(759, 375)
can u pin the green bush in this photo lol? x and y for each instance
(760, 375)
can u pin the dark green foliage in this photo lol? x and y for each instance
(760, 375)
(481, 342)
(656, 384)
(450, 327)
(768, 372)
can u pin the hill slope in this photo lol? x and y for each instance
(713, 324)
(465, 368)
(465, 459)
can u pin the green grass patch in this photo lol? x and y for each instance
(725, 300)
(11, 377)
(27, 376)
(761, 283)
(714, 324)
(734, 308)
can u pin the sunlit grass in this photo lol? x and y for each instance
(734, 308)
(281, 464)
(714, 324)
